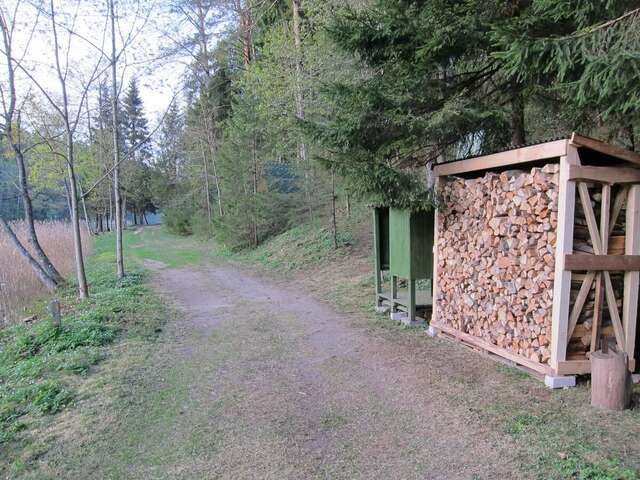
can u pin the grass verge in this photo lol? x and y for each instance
(43, 366)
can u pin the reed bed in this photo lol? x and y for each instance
(19, 286)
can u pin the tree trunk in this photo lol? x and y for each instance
(334, 225)
(9, 102)
(42, 275)
(116, 146)
(348, 204)
(245, 29)
(84, 210)
(83, 288)
(67, 191)
(517, 120)
(255, 191)
(207, 191)
(610, 380)
(632, 137)
(302, 146)
(29, 221)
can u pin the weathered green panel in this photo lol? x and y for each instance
(411, 243)
(422, 244)
(400, 242)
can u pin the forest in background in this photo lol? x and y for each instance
(292, 109)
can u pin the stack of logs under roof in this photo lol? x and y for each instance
(496, 258)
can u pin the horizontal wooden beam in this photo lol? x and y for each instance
(610, 175)
(581, 367)
(596, 263)
(532, 153)
(573, 367)
(606, 148)
(490, 347)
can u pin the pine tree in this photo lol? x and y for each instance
(137, 150)
(135, 131)
(584, 54)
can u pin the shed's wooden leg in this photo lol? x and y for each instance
(376, 255)
(394, 292)
(564, 245)
(411, 307)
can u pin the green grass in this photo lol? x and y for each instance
(158, 245)
(303, 246)
(41, 365)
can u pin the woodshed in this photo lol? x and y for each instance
(537, 253)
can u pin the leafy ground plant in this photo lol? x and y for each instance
(42, 365)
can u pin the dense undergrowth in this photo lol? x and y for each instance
(41, 364)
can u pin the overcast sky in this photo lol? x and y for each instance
(150, 29)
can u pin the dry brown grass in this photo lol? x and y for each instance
(19, 286)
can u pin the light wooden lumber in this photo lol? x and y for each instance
(605, 204)
(613, 310)
(585, 289)
(542, 151)
(609, 175)
(631, 279)
(606, 148)
(434, 281)
(503, 352)
(592, 224)
(564, 246)
(612, 263)
(618, 203)
(573, 367)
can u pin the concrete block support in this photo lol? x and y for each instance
(432, 331)
(567, 381)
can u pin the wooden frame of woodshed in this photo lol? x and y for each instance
(591, 173)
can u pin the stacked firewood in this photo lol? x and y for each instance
(496, 258)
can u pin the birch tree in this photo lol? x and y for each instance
(11, 130)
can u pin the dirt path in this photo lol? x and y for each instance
(259, 380)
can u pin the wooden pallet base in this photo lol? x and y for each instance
(536, 369)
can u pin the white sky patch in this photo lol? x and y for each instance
(150, 30)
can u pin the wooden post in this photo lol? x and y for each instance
(564, 245)
(604, 238)
(394, 292)
(377, 254)
(434, 280)
(54, 308)
(610, 380)
(631, 279)
(411, 305)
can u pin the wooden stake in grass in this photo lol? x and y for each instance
(54, 308)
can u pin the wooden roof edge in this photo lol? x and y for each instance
(603, 147)
(540, 151)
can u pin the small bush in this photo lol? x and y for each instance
(178, 220)
(47, 397)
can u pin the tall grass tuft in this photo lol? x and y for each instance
(19, 286)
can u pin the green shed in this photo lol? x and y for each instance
(403, 246)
